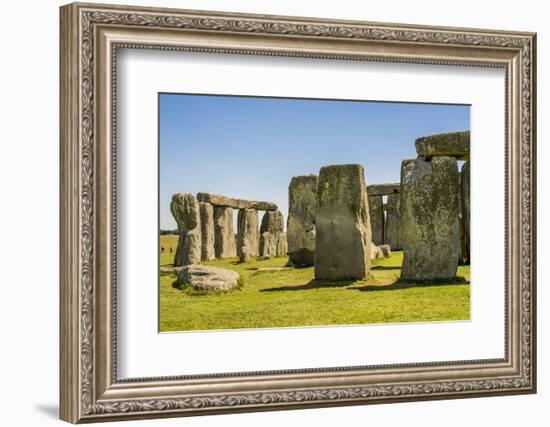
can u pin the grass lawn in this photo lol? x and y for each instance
(291, 297)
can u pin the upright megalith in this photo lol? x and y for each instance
(247, 233)
(302, 202)
(429, 218)
(343, 233)
(452, 144)
(185, 209)
(465, 205)
(379, 221)
(376, 214)
(392, 223)
(207, 231)
(272, 235)
(224, 236)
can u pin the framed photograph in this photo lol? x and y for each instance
(265, 213)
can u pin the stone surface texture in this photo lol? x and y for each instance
(208, 278)
(302, 202)
(207, 231)
(342, 224)
(465, 205)
(248, 232)
(273, 241)
(185, 210)
(393, 219)
(231, 202)
(453, 144)
(429, 218)
(386, 250)
(244, 256)
(375, 252)
(224, 241)
(376, 214)
(383, 189)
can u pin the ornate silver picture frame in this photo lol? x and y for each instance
(91, 390)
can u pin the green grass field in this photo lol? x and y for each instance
(291, 297)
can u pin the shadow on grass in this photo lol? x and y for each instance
(286, 267)
(313, 284)
(385, 267)
(411, 284)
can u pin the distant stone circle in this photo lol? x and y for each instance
(206, 232)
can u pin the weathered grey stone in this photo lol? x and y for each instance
(272, 236)
(185, 209)
(208, 278)
(376, 214)
(375, 252)
(462, 242)
(282, 244)
(248, 234)
(386, 250)
(267, 245)
(231, 202)
(453, 144)
(393, 219)
(165, 270)
(382, 189)
(429, 218)
(465, 205)
(207, 231)
(224, 242)
(272, 222)
(244, 255)
(342, 224)
(302, 202)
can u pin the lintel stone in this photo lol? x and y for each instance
(230, 202)
(383, 189)
(452, 144)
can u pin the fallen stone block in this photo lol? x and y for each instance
(208, 278)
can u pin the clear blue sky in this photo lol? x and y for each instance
(250, 147)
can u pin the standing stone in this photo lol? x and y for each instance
(272, 236)
(465, 205)
(343, 233)
(376, 214)
(248, 232)
(185, 209)
(207, 231)
(244, 256)
(302, 202)
(224, 240)
(429, 218)
(393, 219)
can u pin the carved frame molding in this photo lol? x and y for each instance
(90, 37)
